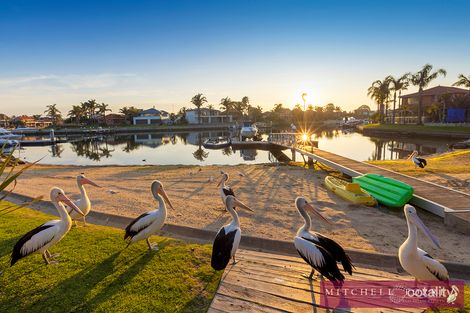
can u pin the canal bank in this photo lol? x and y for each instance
(438, 132)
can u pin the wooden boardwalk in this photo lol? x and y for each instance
(440, 200)
(263, 282)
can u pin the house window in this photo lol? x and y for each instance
(140, 122)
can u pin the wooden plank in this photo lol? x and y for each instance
(228, 304)
(266, 299)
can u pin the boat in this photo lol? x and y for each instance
(217, 143)
(389, 192)
(8, 135)
(349, 191)
(8, 143)
(248, 130)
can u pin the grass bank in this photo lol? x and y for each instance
(424, 129)
(457, 162)
(97, 273)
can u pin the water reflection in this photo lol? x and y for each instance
(187, 148)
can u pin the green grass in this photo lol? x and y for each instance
(97, 273)
(417, 128)
(457, 162)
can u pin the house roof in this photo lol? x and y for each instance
(150, 111)
(436, 91)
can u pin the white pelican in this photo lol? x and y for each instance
(48, 234)
(417, 160)
(84, 202)
(320, 252)
(414, 260)
(151, 222)
(228, 238)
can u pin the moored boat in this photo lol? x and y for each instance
(217, 143)
(349, 191)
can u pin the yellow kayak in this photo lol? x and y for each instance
(349, 191)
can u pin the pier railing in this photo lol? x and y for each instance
(292, 140)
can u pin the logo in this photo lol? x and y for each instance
(392, 294)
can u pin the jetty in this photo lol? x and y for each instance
(450, 204)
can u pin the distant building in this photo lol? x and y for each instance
(431, 95)
(208, 116)
(31, 122)
(4, 121)
(115, 119)
(151, 117)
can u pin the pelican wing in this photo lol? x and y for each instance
(140, 223)
(228, 191)
(318, 258)
(435, 267)
(222, 248)
(336, 251)
(33, 241)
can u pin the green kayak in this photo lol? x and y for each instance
(387, 191)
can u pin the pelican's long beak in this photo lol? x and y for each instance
(311, 209)
(220, 182)
(240, 204)
(89, 182)
(164, 195)
(66, 200)
(418, 222)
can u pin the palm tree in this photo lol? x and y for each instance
(397, 85)
(226, 104)
(463, 81)
(422, 79)
(129, 112)
(102, 109)
(53, 112)
(198, 101)
(76, 113)
(380, 92)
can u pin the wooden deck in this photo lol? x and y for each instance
(440, 200)
(263, 282)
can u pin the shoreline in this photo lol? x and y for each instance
(409, 131)
(270, 190)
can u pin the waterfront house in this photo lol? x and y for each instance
(4, 121)
(436, 104)
(31, 122)
(115, 119)
(151, 117)
(208, 116)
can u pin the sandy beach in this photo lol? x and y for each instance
(268, 189)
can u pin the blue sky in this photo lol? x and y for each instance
(161, 53)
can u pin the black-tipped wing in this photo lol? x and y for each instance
(335, 250)
(318, 258)
(228, 191)
(31, 242)
(435, 267)
(222, 249)
(140, 223)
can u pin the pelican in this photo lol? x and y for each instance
(151, 222)
(224, 190)
(415, 261)
(228, 238)
(84, 202)
(48, 234)
(417, 160)
(320, 252)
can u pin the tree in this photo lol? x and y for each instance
(255, 113)
(463, 81)
(129, 112)
(397, 85)
(102, 109)
(422, 79)
(380, 92)
(240, 107)
(76, 113)
(198, 101)
(53, 112)
(225, 104)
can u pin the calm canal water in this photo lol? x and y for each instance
(187, 149)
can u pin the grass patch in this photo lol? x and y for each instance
(419, 128)
(97, 274)
(457, 162)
